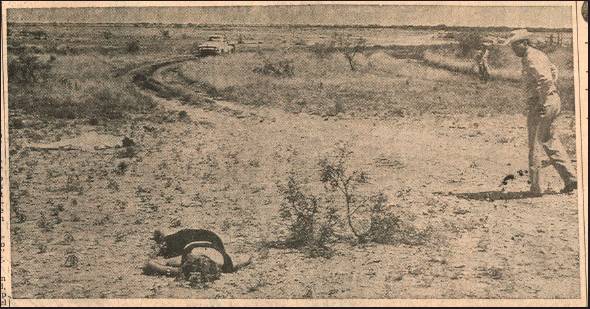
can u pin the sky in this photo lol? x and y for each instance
(317, 14)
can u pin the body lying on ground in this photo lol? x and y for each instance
(192, 253)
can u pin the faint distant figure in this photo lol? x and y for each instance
(481, 58)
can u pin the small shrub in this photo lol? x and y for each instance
(128, 152)
(335, 176)
(324, 50)
(28, 69)
(121, 167)
(107, 34)
(20, 217)
(132, 47)
(127, 142)
(120, 236)
(54, 212)
(183, 115)
(113, 185)
(93, 121)
(41, 248)
(17, 214)
(37, 34)
(72, 260)
(43, 223)
(468, 43)
(73, 184)
(310, 226)
(350, 48)
(104, 220)
(16, 123)
(382, 224)
(68, 238)
(278, 68)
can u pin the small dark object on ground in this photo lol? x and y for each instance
(522, 172)
(93, 121)
(121, 167)
(507, 178)
(128, 142)
(71, 261)
(182, 114)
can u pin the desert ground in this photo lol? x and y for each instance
(210, 141)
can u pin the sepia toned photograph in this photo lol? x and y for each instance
(300, 151)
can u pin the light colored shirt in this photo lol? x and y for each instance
(482, 57)
(211, 253)
(539, 74)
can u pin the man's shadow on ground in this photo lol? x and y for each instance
(491, 196)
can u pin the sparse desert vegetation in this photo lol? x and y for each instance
(114, 134)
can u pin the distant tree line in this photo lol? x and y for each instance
(296, 26)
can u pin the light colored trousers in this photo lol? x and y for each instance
(542, 130)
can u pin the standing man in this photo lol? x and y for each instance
(482, 63)
(544, 105)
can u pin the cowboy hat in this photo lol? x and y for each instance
(517, 35)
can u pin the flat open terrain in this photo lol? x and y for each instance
(205, 158)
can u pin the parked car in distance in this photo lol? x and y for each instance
(215, 45)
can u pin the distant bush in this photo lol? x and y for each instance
(350, 48)
(64, 49)
(107, 34)
(165, 34)
(36, 34)
(323, 50)
(278, 68)
(27, 68)
(132, 47)
(468, 43)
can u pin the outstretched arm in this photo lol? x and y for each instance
(154, 268)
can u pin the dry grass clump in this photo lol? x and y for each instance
(72, 89)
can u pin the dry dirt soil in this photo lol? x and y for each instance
(217, 167)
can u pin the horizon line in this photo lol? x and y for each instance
(294, 24)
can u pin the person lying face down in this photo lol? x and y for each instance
(202, 256)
